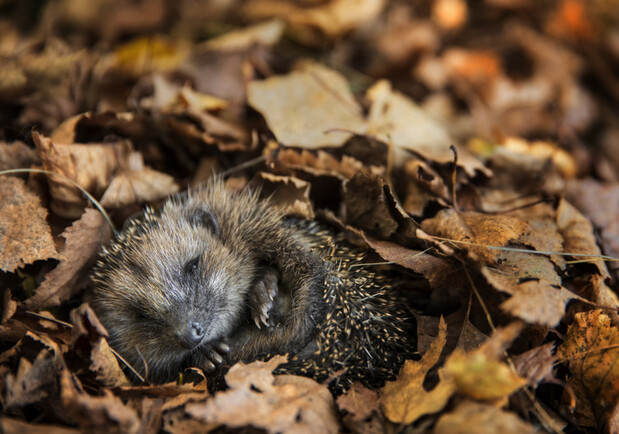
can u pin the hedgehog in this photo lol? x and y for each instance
(214, 277)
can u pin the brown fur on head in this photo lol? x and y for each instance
(195, 261)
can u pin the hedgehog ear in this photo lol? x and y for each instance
(202, 217)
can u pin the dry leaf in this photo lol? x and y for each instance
(89, 338)
(480, 374)
(34, 381)
(591, 350)
(267, 33)
(288, 192)
(137, 185)
(301, 107)
(92, 413)
(359, 401)
(91, 166)
(405, 400)
(14, 426)
(471, 417)
(147, 54)
(537, 364)
(24, 234)
(17, 155)
(83, 240)
(334, 17)
(395, 119)
(285, 403)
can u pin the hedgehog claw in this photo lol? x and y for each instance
(262, 297)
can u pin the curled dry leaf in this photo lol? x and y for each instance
(91, 166)
(301, 107)
(91, 413)
(285, 403)
(82, 242)
(591, 350)
(471, 417)
(405, 400)
(25, 236)
(89, 339)
(290, 193)
(137, 184)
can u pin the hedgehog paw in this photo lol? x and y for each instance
(213, 354)
(262, 296)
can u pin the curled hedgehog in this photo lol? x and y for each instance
(214, 277)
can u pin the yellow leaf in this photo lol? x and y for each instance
(405, 400)
(481, 377)
(147, 54)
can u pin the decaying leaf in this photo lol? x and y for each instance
(82, 242)
(24, 234)
(591, 350)
(537, 364)
(405, 400)
(276, 404)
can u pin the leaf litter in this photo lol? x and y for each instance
(504, 249)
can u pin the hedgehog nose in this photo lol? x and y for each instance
(191, 334)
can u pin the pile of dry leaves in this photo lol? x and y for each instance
(472, 145)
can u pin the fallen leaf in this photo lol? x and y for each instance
(266, 33)
(91, 166)
(147, 54)
(471, 417)
(359, 401)
(395, 119)
(34, 381)
(405, 400)
(537, 364)
(17, 155)
(600, 203)
(83, 240)
(281, 403)
(334, 17)
(303, 106)
(288, 192)
(91, 413)
(15, 426)
(89, 339)
(591, 350)
(24, 234)
(480, 374)
(139, 184)
(476, 231)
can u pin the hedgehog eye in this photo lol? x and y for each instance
(192, 265)
(204, 218)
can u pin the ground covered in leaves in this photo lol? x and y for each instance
(474, 146)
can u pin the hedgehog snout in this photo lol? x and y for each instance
(190, 334)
